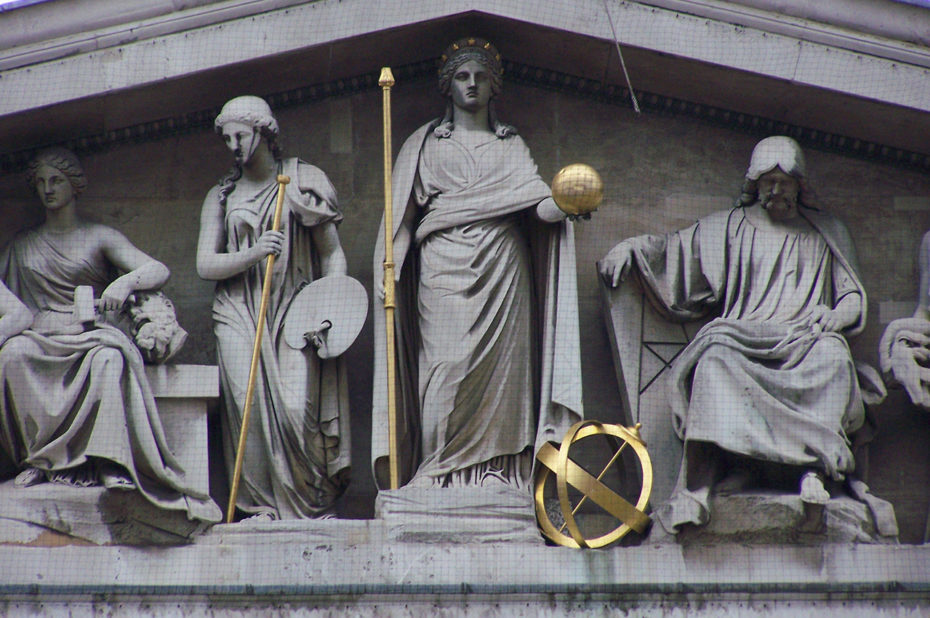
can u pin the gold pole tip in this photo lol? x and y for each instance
(387, 78)
(283, 180)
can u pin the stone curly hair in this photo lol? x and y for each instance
(254, 112)
(62, 160)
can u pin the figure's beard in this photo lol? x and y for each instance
(780, 206)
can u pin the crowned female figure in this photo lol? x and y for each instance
(488, 356)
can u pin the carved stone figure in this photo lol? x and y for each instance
(75, 406)
(297, 456)
(488, 357)
(904, 350)
(771, 378)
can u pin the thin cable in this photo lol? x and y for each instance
(620, 54)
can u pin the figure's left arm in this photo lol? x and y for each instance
(318, 210)
(332, 257)
(142, 271)
(843, 315)
(548, 211)
(847, 311)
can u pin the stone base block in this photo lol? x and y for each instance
(458, 515)
(50, 515)
(778, 519)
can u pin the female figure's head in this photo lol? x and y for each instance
(471, 76)
(55, 174)
(245, 123)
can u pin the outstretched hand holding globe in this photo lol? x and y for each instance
(578, 190)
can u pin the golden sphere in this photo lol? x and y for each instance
(578, 189)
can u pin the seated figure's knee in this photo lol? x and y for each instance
(110, 358)
(18, 349)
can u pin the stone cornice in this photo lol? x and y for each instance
(725, 34)
(202, 120)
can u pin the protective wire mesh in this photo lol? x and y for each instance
(507, 331)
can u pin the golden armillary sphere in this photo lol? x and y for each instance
(558, 463)
(578, 189)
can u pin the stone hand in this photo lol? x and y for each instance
(829, 320)
(616, 264)
(317, 336)
(269, 243)
(907, 369)
(114, 295)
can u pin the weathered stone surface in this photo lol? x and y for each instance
(88, 515)
(768, 518)
(458, 515)
(338, 567)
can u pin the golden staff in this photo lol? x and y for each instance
(256, 354)
(386, 81)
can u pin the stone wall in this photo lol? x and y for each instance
(661, 172)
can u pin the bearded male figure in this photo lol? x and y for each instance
(771, 379)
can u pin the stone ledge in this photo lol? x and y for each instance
(324, 567)
(344, 555)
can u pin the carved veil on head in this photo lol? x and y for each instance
(781, 152)
(62, 160)
(485, 54)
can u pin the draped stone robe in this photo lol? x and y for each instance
(759, 381)
(297, 455)
(73, 399)
(488, 354)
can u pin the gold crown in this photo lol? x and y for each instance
(467, 44)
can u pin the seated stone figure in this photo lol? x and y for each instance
(75, 406)
(768, 386)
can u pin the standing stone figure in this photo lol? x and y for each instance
(771, 379)
(488, 353)
(297, 456)
(75, 406)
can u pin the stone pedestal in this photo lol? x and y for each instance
(458, 515)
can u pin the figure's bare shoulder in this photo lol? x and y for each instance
(213, 196)
(102, 234)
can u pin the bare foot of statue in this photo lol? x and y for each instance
(812, 489)
(814, 497)
(30, 477)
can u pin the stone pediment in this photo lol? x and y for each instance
(157, 65)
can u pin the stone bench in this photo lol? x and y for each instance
(182, 393)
